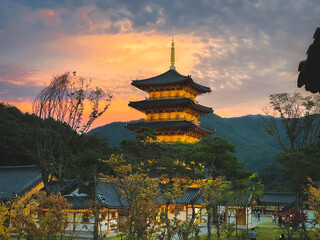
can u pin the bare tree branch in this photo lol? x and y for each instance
(61, 108)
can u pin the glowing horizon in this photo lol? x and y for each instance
(227, 47)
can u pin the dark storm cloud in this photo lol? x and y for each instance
(182, 16)
(51, 4)
(251, 47)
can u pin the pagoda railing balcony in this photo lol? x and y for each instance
(165, 97)
(172, 119)
(170, 97)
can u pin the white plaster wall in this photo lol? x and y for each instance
(231, 216)
(112, 223)
(104, 225)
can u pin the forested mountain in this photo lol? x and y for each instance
(255, 148)
(17, 137)
(18, 144)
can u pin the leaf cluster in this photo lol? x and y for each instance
(140, 194)
(19, 216)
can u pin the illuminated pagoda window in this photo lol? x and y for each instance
(171, 107)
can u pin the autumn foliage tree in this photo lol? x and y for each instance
(314, 203)
(18, 217)
(34, 217)
(138, 193)
(54, 220)
(22, 217)
(215, 194)
(5, 228)
(170, 191)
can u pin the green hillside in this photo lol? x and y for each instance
(17, 137)
(114, 133)
(255, 148)
(18, 144)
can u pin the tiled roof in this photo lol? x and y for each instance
(17, 180)
(108, 197)
(168, 125)
(192, 195)
(20, 179)
(183, 102)
(65, 187)
(278, 198)
(78, 202)
(243, 199)
(169, 77)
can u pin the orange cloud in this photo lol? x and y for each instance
(113, 61)
(47, 13)
(84, 14)
(126, 56)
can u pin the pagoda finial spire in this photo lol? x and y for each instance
(172, 66)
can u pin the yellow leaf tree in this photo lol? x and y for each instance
(138, 193)
(314, 202)
(5, 228)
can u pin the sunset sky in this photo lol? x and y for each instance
(244, 50)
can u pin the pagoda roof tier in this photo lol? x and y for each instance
(167, 103)
(168, 78)
(172, 125)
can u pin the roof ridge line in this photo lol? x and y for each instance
(170, 70)
(19, 166)
(31, 183)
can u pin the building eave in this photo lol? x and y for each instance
(161, 125)
(166, 103)
(170, 77)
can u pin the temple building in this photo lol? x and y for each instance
(171, 107)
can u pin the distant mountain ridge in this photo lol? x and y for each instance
(255, 148)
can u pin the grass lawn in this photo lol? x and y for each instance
(264, 233)
(109, 238)
(269, 224)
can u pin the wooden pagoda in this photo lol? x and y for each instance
(171, 107)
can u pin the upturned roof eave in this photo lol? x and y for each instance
(166, 125)
(141, 84)
(206, 131)
(16, 187)
(200, 88)
(188, 101)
